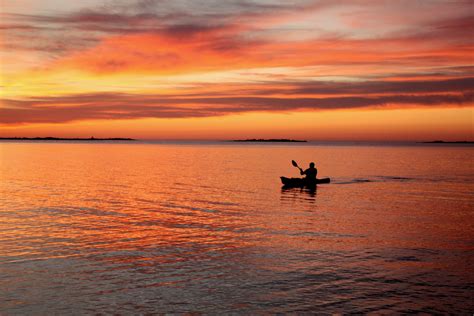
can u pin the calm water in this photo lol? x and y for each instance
(143, 227)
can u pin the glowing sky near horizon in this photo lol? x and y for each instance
(176, 69)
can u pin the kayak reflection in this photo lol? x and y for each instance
(307, 193)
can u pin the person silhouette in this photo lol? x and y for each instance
(310, 173)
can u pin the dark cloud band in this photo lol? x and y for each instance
(128, 106)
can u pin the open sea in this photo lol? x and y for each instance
(187, 227)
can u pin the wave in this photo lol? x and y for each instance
(374, 179)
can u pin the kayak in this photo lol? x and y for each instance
(299, 182)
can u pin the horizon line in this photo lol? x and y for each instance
(240, 140)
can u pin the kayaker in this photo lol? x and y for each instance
(310, 173)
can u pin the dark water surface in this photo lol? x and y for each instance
(152, 227)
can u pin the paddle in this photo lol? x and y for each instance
(296, 165)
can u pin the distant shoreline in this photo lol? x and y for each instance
(253, 140)
(66, 139)
(447, 142)
(270, 140)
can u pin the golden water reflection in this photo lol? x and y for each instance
(153, 227)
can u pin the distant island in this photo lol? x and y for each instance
(448, 142)
(60, 138)
(270, 140)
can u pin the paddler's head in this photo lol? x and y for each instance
(311, 165)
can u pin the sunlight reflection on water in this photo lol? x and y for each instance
(140, 228)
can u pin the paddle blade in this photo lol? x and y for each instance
(294, 163)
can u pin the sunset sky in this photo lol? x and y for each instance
(217, 69)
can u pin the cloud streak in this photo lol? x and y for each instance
(382, 95)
